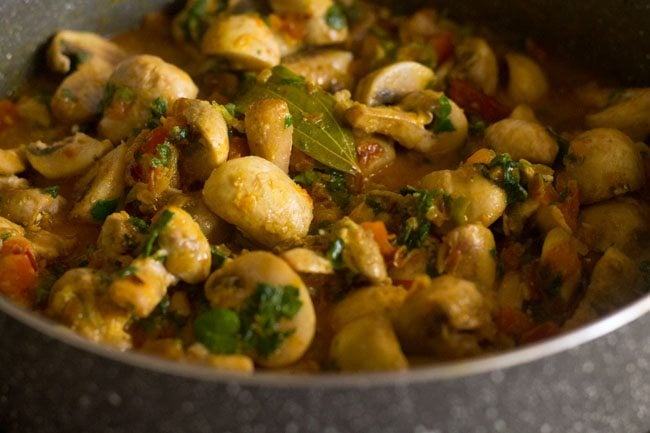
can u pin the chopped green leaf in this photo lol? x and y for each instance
(218, 330)
(306, 178)
(317, 132)
(335, 18)
(179, 134)
(124, 94)
(552, 284)
(157, 227)
(52, 191)
(288, 121)
(511, 177)
(338, 189)
(6, 235)
(375, 204)
(335, 253)
(231, 109)
(103, 208)
(158, 110)
(443, 122)
(476, 125)
(414, 232)
(219, 255)
(139, 224)
(262, 313)
(163, 155)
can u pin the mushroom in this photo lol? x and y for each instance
(527, 83)
(12, 161)
(101, 188)
(374, 300)
(80, 300)
(361, 252)
(209, 144)
(79, 96)
(477, 63)
(68, 157)
(269, 130)
(522, 139)
(631, 115)
(325, 22)
(605, 163)
(328, 68)
(409, 128)
(245, 40)
(139, 90)
(391, 83)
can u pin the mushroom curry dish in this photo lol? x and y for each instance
(314, 186)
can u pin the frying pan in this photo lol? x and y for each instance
(595, 379)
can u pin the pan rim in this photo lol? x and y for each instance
(431, 373)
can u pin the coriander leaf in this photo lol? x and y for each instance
(335, 253)
(158, 226)
(158, 109)
(218, 330)
(335, 18)
(6, 235)
(219, 255)
(288, 121)
(139, 224)
(103, 208)
(127, 272)
(443, 122)
(476, 125)
(317, 132)
(52, 191)
(414, 232)
(124, 94)
(511, 177)
(306, 178)
(262, 313)
(163, 155)
(375, 204)
(338, 189)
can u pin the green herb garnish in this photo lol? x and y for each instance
(218, 330)
(157, 227)
(335, 18)
(306, 178)
(338, 189)
(511, 177)
(414, 232)
(443, 122)
(288, 121)
(139, 224)
(163, 155)
(261, 314)
(335, 253)
(52, 191)
(103, 208)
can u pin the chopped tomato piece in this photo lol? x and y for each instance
(481, 156)
(540, 332)
(155, 138)
(404, 283)
(512, 322)
(9, 115)
(473, 100)
(18, 271)
(443, 43)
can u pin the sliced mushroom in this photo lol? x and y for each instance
(269, 130)
(477, 63)
(560, 265)
(69, 47)
(78, 97)
(12, 161)
(361, 253)
(28, 206)
(68, 157)
(245, 40)
(101, 187)
(527, 83)
(139, 88)
(373, 152)
(306, 261)
(211, 146)
(630, 115)
(391, 83)
(327, 68)
(374, 300)
(408, 128)
(522, 139)
(141, 289)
